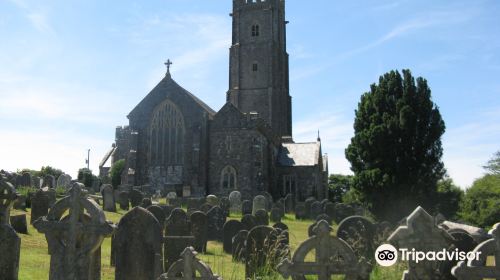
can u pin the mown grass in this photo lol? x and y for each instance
(35, 260)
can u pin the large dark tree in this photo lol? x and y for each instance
(396, 150)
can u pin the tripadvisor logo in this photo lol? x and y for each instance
(387, 255)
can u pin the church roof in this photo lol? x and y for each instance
(166, 87)
(300, 154)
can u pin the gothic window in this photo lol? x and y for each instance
(166, 135)
(289, 184)
(255, 67)
(228, 178)
(255, 30)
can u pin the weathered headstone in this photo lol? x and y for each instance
(199, 230)
(212, 200)
(324, 217)
(231, 228)
(205, 207)
(332, 257)
(108, 198)
(10, 243)
(275, 215)
(135, 198)
(175, 202)
(49, 182)
(177, 223)
(329, 209)
(146, 202)
(239, 245)
(358, 232)
(39, 205)
(138, 246)
(342, 211)
(20, 203)
(123, 200)
(216, 220)
(316, 210)
(74, 240)
(188, 267)
(171, 195)
(262, 217)
(19, 223)
(159, 214)
(289, 203)
(246, 207)
(167, 209)
(309, 201)
(235, 201)
(248, 221)
(259, 244)
(259, 203)
(25, 180)
(64, 181)
(51, 193)
(173, 247)
(224, 205)
(269, 200)
(300, 211)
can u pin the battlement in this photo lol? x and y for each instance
(256, 3)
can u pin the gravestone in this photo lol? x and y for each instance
(25, 180)
(281, 206)
(159, 215)
(224, 205)
(212, 200)
(239, 245)
(49, 182)
(316, 210)
(36, 182)
(205, 207)
(248, 221)
(358, 232)
(283, 233)
(188, 267)
(20, 203)
(289, 203)
(74, 241)
(171, 195)
(135, 198)
(323, 203)
(231, 228)
(137, 245)
(246, 207)
(324, 217)
(275, 215)
(51, 193)
(167, 209)
(19, 223)
(329, 209)
(173, 247)
(175, 202)
(64, 181)
(269, 200)
(199, 230)
(216, 220)
(123, 200)
(342, 211)
(262, 217)
(480, 268)
(332, 256)
(194, 203)
(10, 243)
(235, 202)
(259, 244)
(108, 198)
(146, 202)
(259, 203)
(8, 196)
(39, 205)
(300, 211)
(177, 223)
(309, 201)
(422, 234)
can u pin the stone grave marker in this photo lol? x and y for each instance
(205, 207)
(309, 201)
(146, 202)
(199, 230)
(123, 200)
(177, 223)
(332, 257)
(289, 203)
(188, 267)
(259, 243)
(212, 200)
(20, 203)
(235, 202)
(74, 240)
(137, 243)
(216, 220)
(108, 198)
(224, 204)
(238, 245)
(25, 180)
(49, 182)
(342, 211)
(51, 193)
(358, 232)
(39, 205)
(173, 247)
(246, 207)
(159, 214)
(135, 198)
(10, 243)
(275, 215)
(262, 217)
(231, 228)
(19, 223)
(324, 217)
(329, 209)
(300, 211)
(248, 221)
(316, 210)
(64, 181)
(259, 203)
(167, 209)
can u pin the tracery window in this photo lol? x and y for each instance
(255, 30)
(228, 178)
(166, 135)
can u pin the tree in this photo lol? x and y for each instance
(493, 165)
(396, 150)
(448, 199)
(85, 177)
(481, 204)
(116, 172)
(339, 185)
(49, 170)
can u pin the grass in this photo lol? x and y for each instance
(35, 260)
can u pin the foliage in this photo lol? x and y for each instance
(116, 172)
(85, 177)
(24, 190)
(493, 165)
(448, 199)
(396, 150)
(44, 171)
(481, 203)
(338, 185)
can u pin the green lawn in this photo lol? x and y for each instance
(34, 263)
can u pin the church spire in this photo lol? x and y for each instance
(319, 138)
(168, 63)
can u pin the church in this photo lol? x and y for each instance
(174, 142)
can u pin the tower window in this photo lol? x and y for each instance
(255, 30)
(255, 67)
(228, 178)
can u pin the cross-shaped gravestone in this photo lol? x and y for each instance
(333, 257)
(478, 269)
(8, 196)
(422, 234)
(74, 240)
(168, 64)
(188, 267)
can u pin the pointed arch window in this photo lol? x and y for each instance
(228, 178)
(255, 30)
(166, 135)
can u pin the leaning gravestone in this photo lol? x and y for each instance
(238, 245)
(39, 205)
(10, 243)
(135, 197)
(19, 223)
(74, 240)
(108, 198)
(231, 228)
(216, 220)
(188, 267)
(235, 201)
(259, 244)
(259, 203)
(332, 256)
(64, 181)
(246, 207)
(177, 223)
(123, 200)
(199, 230)
(138, 246)
(249, 221)
(422, 234)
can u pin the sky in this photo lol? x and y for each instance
(71, 70)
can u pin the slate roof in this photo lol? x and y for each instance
(299, 154)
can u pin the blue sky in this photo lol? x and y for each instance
(70, 71)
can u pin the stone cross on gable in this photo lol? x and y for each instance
(188, 266)
(479, 268)
(8, 196)
(73, 239)
(168, 64)
(333, 257)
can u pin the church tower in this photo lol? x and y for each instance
(258, 70)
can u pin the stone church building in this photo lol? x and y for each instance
(176, 142)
